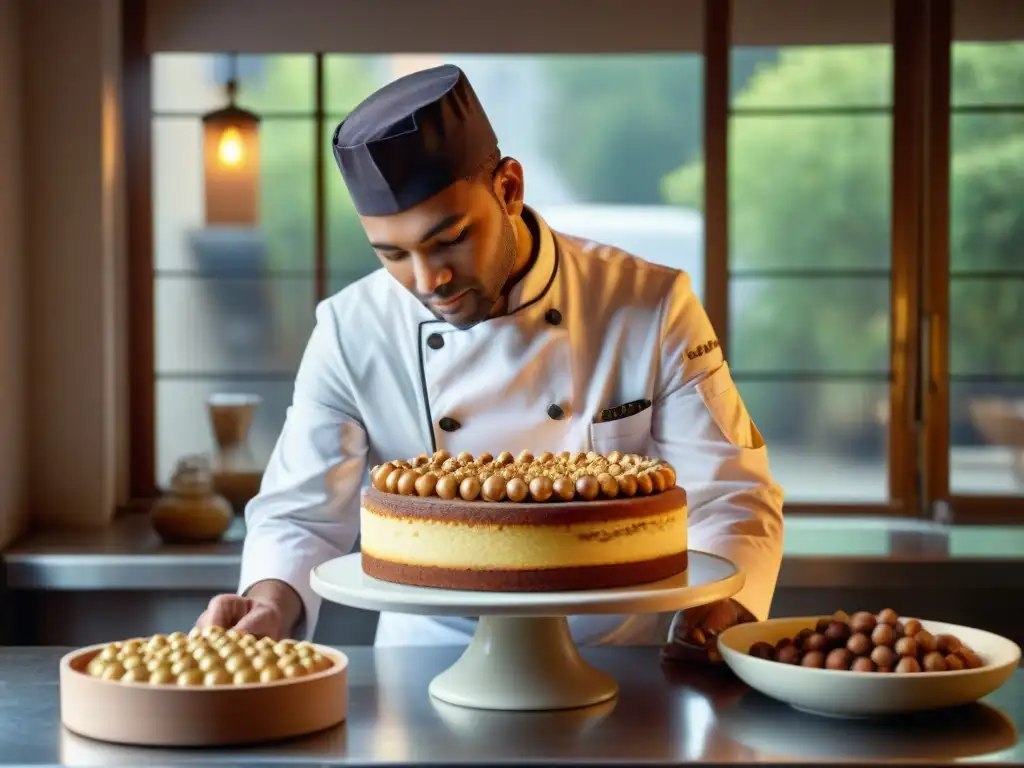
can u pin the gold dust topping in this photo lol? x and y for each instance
(527, 478)
(208, 657)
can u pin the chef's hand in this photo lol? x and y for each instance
(693, 635)
(269, 609)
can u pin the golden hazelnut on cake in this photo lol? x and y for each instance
(529, 522)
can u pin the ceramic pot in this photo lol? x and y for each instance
(236, 474)
(191, 511)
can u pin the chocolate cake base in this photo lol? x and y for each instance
(532, 580)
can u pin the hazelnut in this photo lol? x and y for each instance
(627, 485)
(565, 489)
(484, 458)
(837, 633)
(863, 622)
(494, 488)
(517, 489)
(888, 616)
(906, 647)
(886, 670)
(762, 650)
(815, 659)
(954, 662)
(912, 627)
(465, 457)
(657, 480)
(822, 625)
(609, 485)
(801, 637)
(816, 642)
(588, 487)
(859, 644)
(783, 643)
(391, 484)
(863, 664)
(839, 658)
(788, 655)
(670, 476)
(541, 488)
(934, 662)
(925, 640)
(644, 484)
(525, 457)
(447, 486)
(971, 659)
(470, 488)
(883, 634)
(947, 644)
(380, 477)
(884, 656)
(841, 616)
(907, 665)
(425, 484)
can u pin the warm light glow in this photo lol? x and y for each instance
(230, 148)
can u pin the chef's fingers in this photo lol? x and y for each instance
(262, 620)
(223, 611)
(719, 617)
(685, 622)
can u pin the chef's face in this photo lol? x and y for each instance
(456, 251)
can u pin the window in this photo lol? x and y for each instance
(832, 301)
(986, 269)
(809, 176)
(234, 310)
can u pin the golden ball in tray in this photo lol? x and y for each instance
(210, 657)
(868, 642)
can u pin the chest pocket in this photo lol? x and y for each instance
(629, 435)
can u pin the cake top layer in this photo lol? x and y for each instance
(528, 478)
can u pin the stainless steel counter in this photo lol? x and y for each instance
(76, 587)
(662, 717)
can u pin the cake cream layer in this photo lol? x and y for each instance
(457, 543)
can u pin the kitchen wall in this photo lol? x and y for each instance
(61, 272)
(13, 511)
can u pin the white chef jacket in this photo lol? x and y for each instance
(589, 327)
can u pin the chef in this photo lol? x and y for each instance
(487, 331)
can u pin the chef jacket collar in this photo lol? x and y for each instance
(534, 285)
(538, 281)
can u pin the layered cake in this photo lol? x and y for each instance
(526, 524)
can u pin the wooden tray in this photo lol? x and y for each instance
(172, 716)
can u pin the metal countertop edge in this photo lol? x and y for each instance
(216, 572)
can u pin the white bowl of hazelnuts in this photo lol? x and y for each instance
(868, 664)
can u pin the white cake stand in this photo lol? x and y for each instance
(522, 656)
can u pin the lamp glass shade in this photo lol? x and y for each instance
(231, 156)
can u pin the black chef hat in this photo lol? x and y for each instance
(411, 139)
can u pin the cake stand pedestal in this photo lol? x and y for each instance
(522, 656)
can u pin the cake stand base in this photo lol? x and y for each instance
(523, 663)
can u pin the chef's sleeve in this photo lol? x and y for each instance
(307, 509)
(702, 428)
